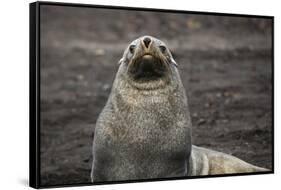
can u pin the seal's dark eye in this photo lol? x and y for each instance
(162, 49)
(132, 48)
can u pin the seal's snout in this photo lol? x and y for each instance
(146, 68)
(147, 64)
(146, 41)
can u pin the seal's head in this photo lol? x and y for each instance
(148, 62)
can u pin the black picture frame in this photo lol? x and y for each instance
(34, 83)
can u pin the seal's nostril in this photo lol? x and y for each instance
(146, 41)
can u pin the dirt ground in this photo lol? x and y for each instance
(224, 62)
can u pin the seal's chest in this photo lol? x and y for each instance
(148, 133)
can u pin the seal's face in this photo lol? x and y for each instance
(148, 62)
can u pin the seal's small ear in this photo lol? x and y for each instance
(120, 61)
(174, 62)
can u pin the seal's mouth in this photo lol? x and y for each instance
(147, 68)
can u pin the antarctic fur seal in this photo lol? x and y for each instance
(144, 130)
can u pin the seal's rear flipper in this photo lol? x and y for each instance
(209, 162)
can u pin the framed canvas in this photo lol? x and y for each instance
(121, 94)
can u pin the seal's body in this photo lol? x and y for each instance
(144, 131)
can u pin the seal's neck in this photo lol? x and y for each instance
(128, 96)
(134, 97)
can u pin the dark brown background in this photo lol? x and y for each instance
(225, 65)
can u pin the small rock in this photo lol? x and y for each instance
(193, 24)
(225, 121)
(201, 121)
(218, 95)
(100, 52)
(80, 77)
(226, 94)
(207, 105)
(195, 115)
(106, 87)
(237, 96)
(88, 94)
(227, 101)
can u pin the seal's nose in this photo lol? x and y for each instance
(146, 41)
